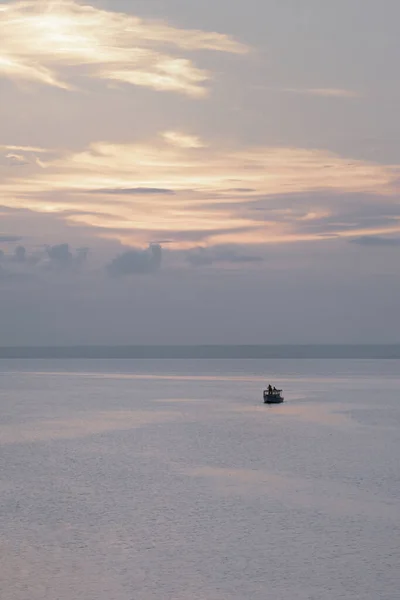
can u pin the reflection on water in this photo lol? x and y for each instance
(83, 425)
(334, 413)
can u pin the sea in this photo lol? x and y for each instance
(169, 479)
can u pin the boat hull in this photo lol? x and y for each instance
(273, 400)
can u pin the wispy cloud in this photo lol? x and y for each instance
(139, 191)
(325, 92)
(29, 149)
(42, 39)
(183, 140)
(317, 91)
(225, 196)
(17, 156)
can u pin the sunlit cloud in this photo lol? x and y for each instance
(183, 140)
(21, 155)
(16, 157)
(42, 40)
(140, 193)
(33, 149)
(14, 69)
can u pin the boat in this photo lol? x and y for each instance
(273, 396)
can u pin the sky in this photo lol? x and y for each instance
(185, 172)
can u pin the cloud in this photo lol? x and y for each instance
(183, 140)
(200, 257)
(42, 39)
(254, 195)
(33, 149)
(56, 258)
(20, 156)
(62, 257)
(16, 160)
(9, 238)
(136, 262)
(20, 254)
(60, 254)
(140, 191)
(376, 241)
(328, 207)
(324, 92)
(179, 238)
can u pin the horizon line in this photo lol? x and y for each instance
(204, 351)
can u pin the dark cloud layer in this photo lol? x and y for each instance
(4, 239)
(376, 241)
(200, 257)
(139, 191)
(317, 213)
(136, 262)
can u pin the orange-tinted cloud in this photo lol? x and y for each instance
(141, 192)
(42, 39)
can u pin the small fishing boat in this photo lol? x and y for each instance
(273, 396)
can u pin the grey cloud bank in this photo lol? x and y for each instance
(22, 262)
(136, 262)
(62, 257)
(277, 303)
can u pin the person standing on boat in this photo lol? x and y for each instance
(270, 390)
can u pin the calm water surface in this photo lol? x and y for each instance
(169, 480)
